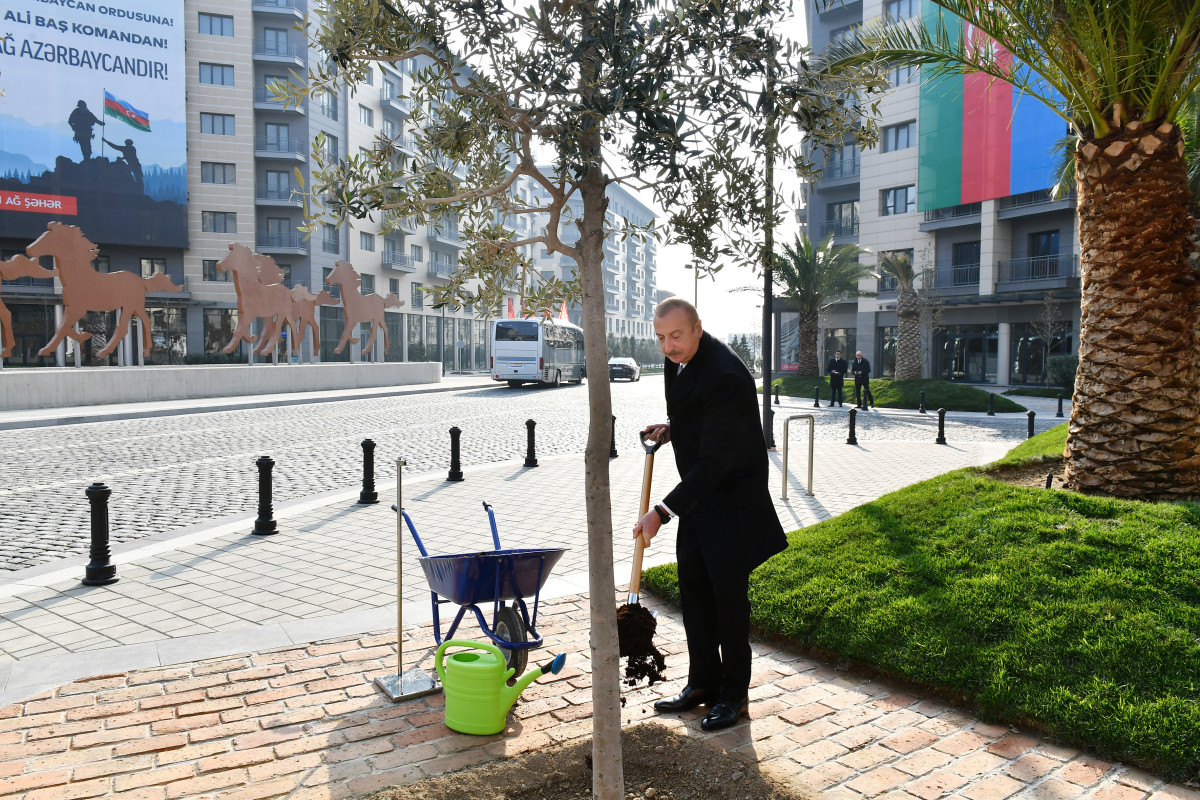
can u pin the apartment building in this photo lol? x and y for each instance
(959, 183)
(239, 148)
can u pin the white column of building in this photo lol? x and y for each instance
(1003, 351)
(994, 246)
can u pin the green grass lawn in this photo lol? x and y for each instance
(903, 394)
(1074, 614)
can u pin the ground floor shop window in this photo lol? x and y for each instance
(837, 340)
(967, 353)
(218, 328)
(1030, 350)
(168, 336)
(789, 342)
(32, 326)
(333, 322)
(394, 321)
(887, 353)
(481, 344)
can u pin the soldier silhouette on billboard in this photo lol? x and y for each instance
(129, 156)
(82, 120)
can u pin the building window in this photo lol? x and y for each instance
(211, 273)
(329, 238)
(844, 32)
(275, 41)
(841, 219)
(887, 281)
(394, 285)
(216, 74)
(898, 10)
(901, 200)
(216, 24)
(388, 128)
(214, 172)
(369, 77)
(330, 151)
(100, 263)
(366, 116)
(1043, 244)
(901, 74)
(367, 284)
(218, 221)
(418, 296)
(366, 241)
(899, 137)
(417, 252)
(219, 124)
(153, 266)
(219, 324)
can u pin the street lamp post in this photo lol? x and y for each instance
(695, 283)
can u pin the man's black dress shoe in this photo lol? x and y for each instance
(686, 700)
(725, 715)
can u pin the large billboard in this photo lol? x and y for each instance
(92, 119)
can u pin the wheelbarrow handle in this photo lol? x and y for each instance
(651, 447)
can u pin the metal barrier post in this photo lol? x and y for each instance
(817, 396)
(455, 467)
(941, 437)
(922, 407)
(530, 455)
(812, 427)
(777, 394)
(265, 525)
(852, 439)
(1030, 431)
(612, 447)
(100, 571)
(1060, 399)
(991, 405)
(368, 495)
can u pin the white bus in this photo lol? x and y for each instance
(537, 351)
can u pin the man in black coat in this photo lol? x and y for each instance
(727, 521)
(862, 381)
(837, 373)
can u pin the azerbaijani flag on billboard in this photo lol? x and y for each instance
(980, 138)
(125, 112)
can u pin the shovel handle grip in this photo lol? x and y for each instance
(650, 447)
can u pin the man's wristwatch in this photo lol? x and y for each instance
(663, 516)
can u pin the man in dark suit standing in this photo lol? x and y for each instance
(837, 373)
(862, 381)
(727, 521)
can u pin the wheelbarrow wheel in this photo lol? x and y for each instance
(511, 628)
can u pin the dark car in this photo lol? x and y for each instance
(624, 368)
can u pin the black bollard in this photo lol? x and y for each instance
(1059, 414)
(265, 525)
(612, 447)
(817, 396)
(852, 439)
(770, 429)
(530, 456)
(991, 405)
(777, 394)
(100, 571)
(1030, 431)
(455, 466)
(922, 408)
(941, 437)
(368, 495)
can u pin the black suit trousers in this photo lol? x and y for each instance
(862, 392)
(716, 619)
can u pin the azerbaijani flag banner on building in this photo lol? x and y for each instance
(125, 112)
(980, 138)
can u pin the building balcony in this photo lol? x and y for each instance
(29, 285)
(328, 107)
(1039, 202)
(331, 246)
(274, 53)
(610, 265)
(840, 228)
(395, 101)
(289, 243)
(398, 262)
(265, 101)
(277, 196)
(959, 278)
(283, 8)
(446, 234)
(611, 245)
(1039, 273)
(440, 268)
(281, 147)
(952, 216)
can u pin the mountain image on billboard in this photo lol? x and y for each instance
(92, 119)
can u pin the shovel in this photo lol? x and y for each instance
(635, 623)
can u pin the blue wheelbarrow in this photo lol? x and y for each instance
(503, 578)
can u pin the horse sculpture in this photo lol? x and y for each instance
(304, 313)
(359, 307)
(18, 266)
(84, 289)
(261, 294)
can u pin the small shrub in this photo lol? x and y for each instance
(1060, 371)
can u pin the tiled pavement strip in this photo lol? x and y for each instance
(231, 666)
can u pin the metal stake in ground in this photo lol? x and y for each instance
(100, 571)
(530, 456)
(941, 437)
(1059, 414)
(852, 439)
(922, 406)
(368, 495)
(991, 405)
(265, 525)
(455, 467)
(415, 682)
(1029, 433)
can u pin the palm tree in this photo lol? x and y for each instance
(814, 278)
(1120, 73)
(908, 313)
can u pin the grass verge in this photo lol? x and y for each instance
(904, 394)
(1076, 615)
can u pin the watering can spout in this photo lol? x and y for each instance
(509, 694)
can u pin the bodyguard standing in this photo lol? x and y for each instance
(862, 381)
(837, 374)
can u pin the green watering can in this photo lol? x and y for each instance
(476, 685)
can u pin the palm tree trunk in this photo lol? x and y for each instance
(806, 348)
(1135, 425)
(908, 336)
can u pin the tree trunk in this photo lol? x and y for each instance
(1135, 426)
(908, 336)
(806, 348)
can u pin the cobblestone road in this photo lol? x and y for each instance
(172, 472)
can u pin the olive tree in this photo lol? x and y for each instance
(569, 96)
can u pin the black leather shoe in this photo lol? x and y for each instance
(725, 715)
(686, 700)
